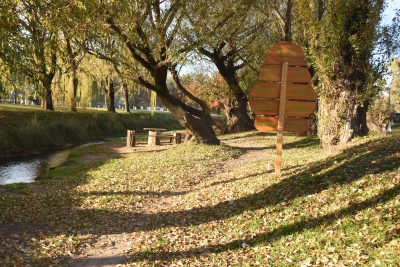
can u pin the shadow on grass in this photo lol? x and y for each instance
(304, 142)
(306, 182)
(246, 134)
(349, 166)
(289, 229)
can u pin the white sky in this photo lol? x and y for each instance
(390, 11)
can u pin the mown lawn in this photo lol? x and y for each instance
(214, 206)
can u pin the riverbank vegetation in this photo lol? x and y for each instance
(27, 128)
(204, 205)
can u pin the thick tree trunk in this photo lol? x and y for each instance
(198, 123)
(362, 127)
(49, 100)
(48, 92)
(337, 122)
(197, 129)
(239, 119)
(46, 79)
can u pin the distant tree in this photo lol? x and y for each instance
(29, 43)
(395, 89)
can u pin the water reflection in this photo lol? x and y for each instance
(27, 168)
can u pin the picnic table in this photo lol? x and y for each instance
(154, 136)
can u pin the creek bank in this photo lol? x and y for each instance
(31, 165)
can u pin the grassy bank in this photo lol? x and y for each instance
(211, 206)
(29, 127)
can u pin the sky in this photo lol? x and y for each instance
(388, 15)
(390, 11)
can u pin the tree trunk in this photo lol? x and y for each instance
(197, 122)
(239, 119)
(46, 78)
(126, 95)
(75, 83)
(362, 127)
(197, 129)
(111, 96)
(49, 100)
(74, 65)
(48, 92)
(337, 122)
(15, 95)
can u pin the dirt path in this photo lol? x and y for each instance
(112, 250)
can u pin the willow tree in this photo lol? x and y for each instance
(30, 45)
(341, 36)
(151, 33)
(103, 73)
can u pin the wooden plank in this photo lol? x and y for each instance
(299, 108)
(295, 125)
(264, 107)
(270, 73)
(266, 124)
(274, 73)
(265, 90)
(298, 75)
(270, 124)
(292, 108)
(300, 92)
(293, 91)
(285, 52)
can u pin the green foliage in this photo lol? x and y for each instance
(380, 110)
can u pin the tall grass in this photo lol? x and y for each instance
(32, 128)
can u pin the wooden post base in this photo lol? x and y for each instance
(130, 138)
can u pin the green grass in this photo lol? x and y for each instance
(215, 205)
(27, 127)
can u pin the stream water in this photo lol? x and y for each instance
(25, 169)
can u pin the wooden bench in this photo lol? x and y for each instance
(174, 138)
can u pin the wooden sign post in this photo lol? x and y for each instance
(281, 119)
(283, 99)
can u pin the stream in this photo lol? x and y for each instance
(25, 169)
